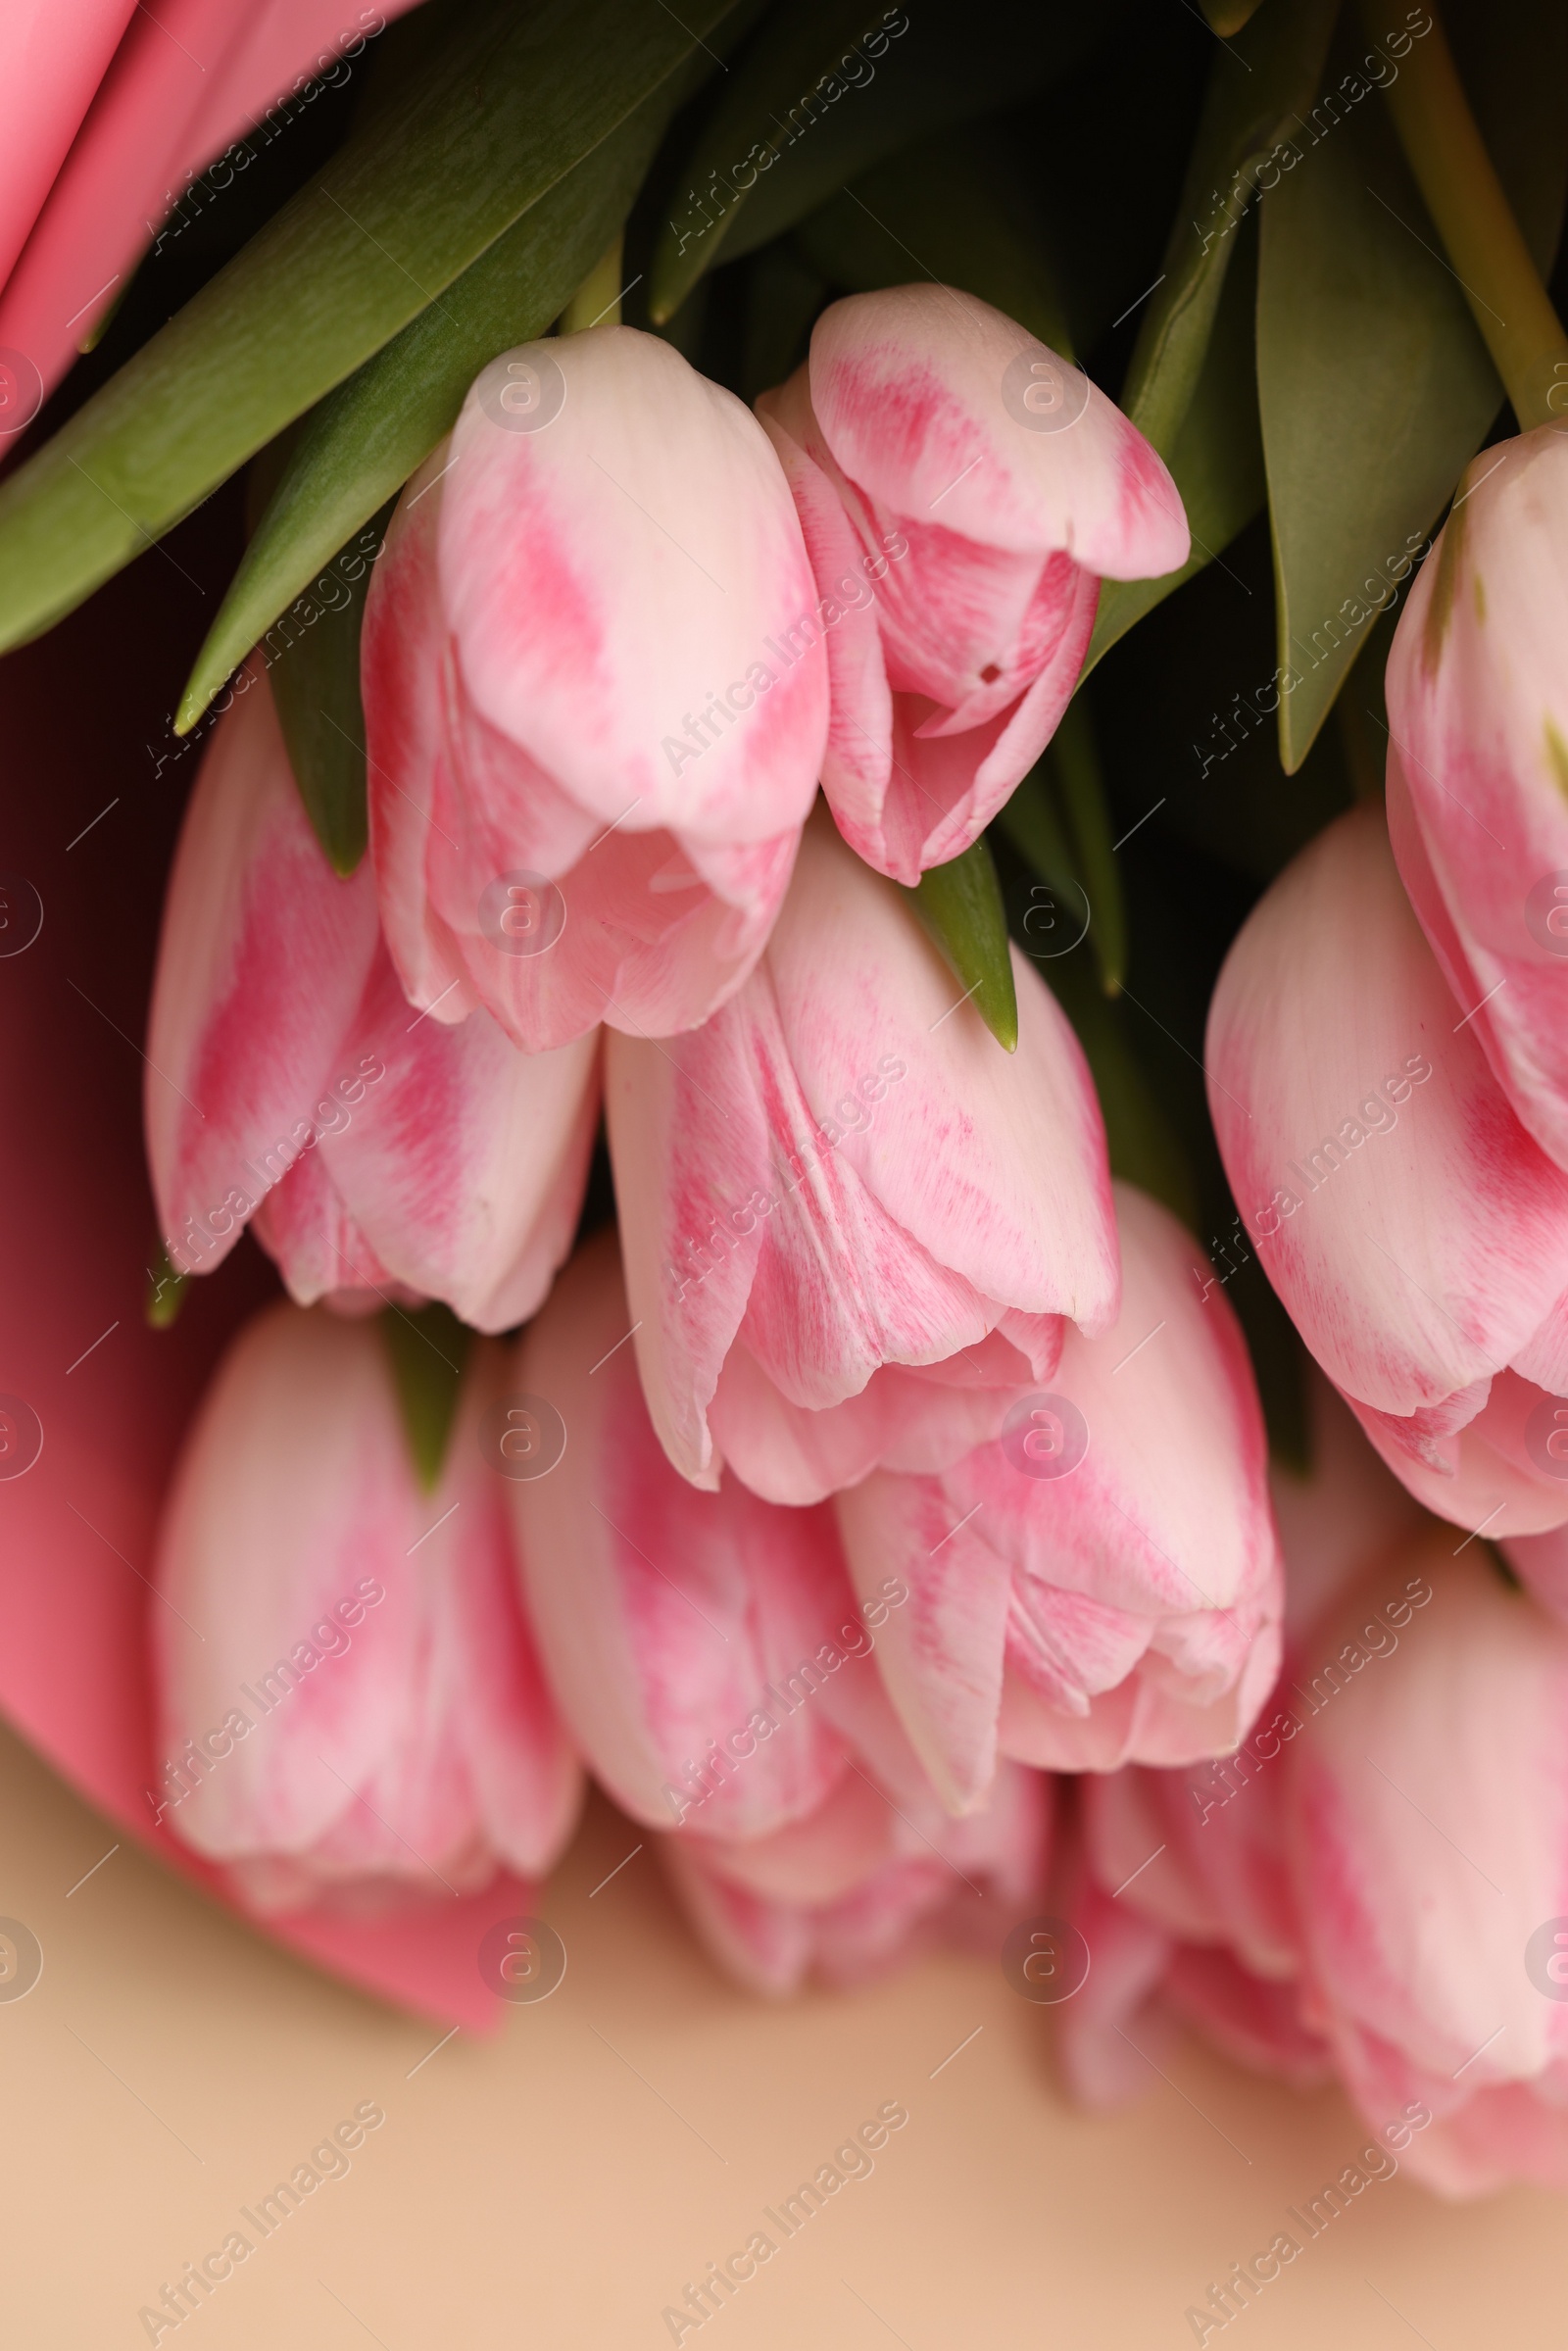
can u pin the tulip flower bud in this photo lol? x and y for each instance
(349, 1700)
(593, 733)
(1430, 1870)
(383, 1155)
(851, 1226)
(1417, 1235)
(708, 1653)
(862, 1885)
(962, 492)
(1478, 766)
(1100, 1583)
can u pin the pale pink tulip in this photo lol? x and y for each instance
(864, 1884)
(108, 111)
(589, 754)
(963, 491)
(1378, 1879)
(1184, 1889)
(1429, 1835)
(382, 1154)
(1417, 1235)
(707, 1648)
(1478, 766)
(1102, 1582)
(851, 1224)
(350, 1701)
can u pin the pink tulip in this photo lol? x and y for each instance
(707, 1650)
(351, 1703)
(1478, 768)
(1429, 1832)
(1371, 1882)
(108, 111)
(851, 1224)
(593, 738)
(1102, 1582)
(1182, 1884)
(381, 1154)
(1415, 1232)
(963, 491)
(862, 1885)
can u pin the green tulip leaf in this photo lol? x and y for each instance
(962, 203)
(961, 905)
(316, 693)
(1216, 463)
(1059, 822)
(429, 1351)
(509, 103)
(781, 92)
(811, 107)
(1374, 386)
(1254, 92)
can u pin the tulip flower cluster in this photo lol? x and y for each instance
(885, 1461)
(885, 1455)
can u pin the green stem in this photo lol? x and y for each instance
(1456, 175)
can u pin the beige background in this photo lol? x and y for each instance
(555, 2186)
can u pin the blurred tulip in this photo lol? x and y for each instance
(574, 817)
(705, 1649)
(108, 113)
(862, 1885)
(350, 1700)
(381, 1154)
(1100, 1583)
(1429, 1838)
(1372, 1883)
(1478, 766)
(1415, 1232)
(955, 636)
(851, 1224)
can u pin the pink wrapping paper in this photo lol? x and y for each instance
(82, 727)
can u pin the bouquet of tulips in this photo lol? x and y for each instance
(869, 930)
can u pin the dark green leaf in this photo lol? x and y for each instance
(316, 691)
(961, 905)
(1253, 96)
(963, 204)
(932, 71)
(428, 1351)
(768, 101)
(1059, 821)
(363, 440)
(1217, 461)
(1374, 385)
(515, 101)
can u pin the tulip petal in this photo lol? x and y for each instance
(692, 1637)
(1479, 717)
(263, 962)
(908, 387)
(466, 1166)
(1426, 1225)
